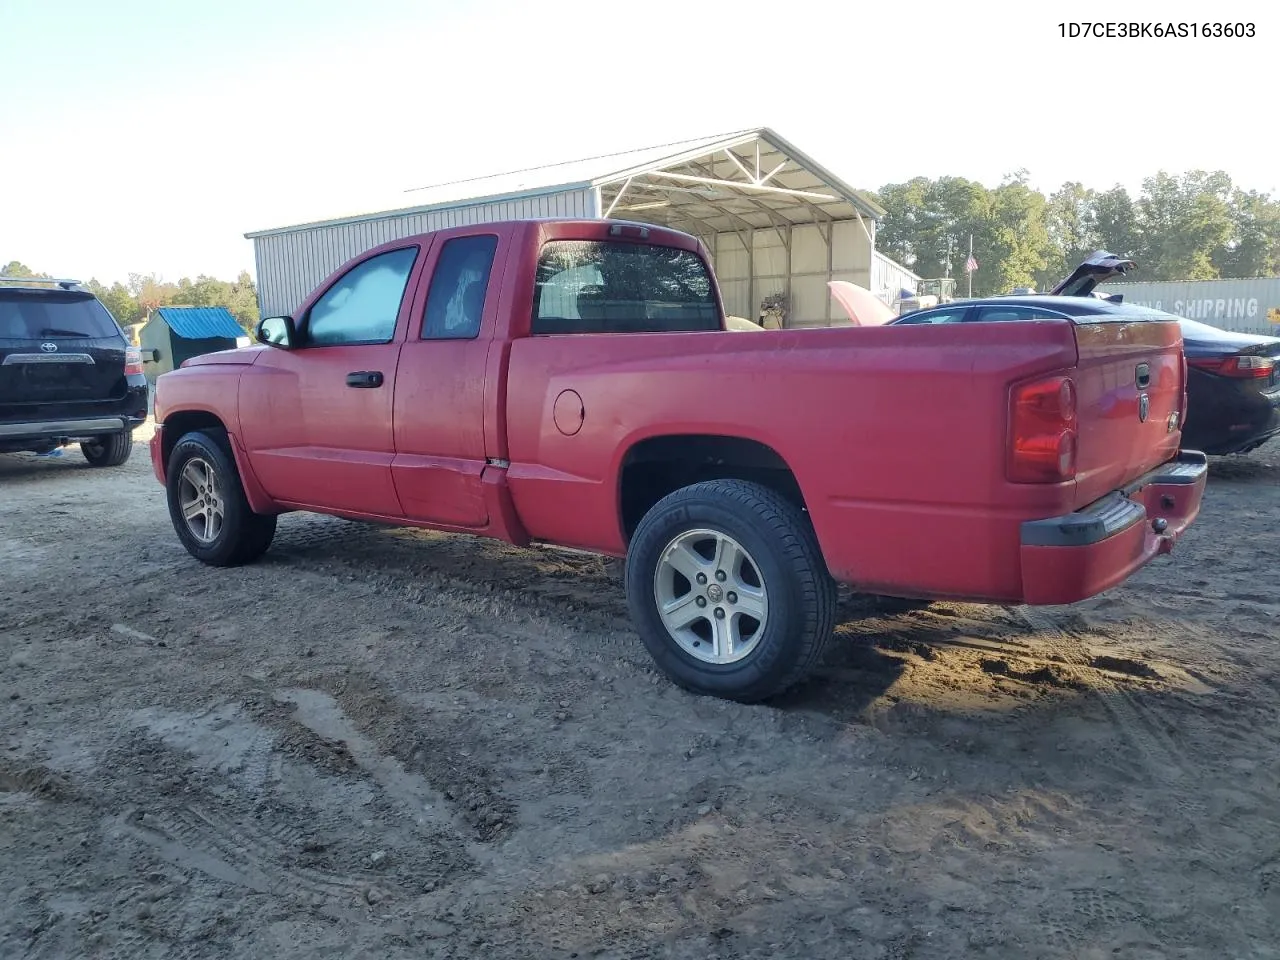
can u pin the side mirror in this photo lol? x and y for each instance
(276, 332)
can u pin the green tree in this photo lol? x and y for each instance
(16, 268)
(117, 299)
(1115, 224)
(904, 203)
(205, 291)
(151, 292)
(239, 297)
(1254, 247)
(929, 222)
(1072, 224)
(1019, 245)
(1185, 221)
(1193, 226)
(243, 302)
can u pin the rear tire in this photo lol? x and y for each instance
(109, 450)
(207, 504)
(760, 603)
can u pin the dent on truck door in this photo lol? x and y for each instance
(316, 418)
(440, 388)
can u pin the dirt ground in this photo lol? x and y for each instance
(393, 744)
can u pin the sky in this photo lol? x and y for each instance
(149, 137)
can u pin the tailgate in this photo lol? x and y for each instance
(1130, 397)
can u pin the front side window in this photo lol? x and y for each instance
(455, 302)
(592, 286)
(363, 305)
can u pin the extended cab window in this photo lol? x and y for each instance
(362, 306)
(455, 301)
(591, 286)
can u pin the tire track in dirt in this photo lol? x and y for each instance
(1146, 720)
(255, 835)
(193, 838)
(424, 749)
(321, 714)
(1145, 710)
(1142, 725)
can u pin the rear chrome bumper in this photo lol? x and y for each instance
(1070, 558)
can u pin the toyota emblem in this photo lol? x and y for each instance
(49, 347)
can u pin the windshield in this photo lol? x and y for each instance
(587, 286)
(49, 316)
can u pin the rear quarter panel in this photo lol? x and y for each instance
(895, 434)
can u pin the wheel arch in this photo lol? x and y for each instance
(653, 466)
(178, 423)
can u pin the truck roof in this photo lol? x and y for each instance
(628, 230)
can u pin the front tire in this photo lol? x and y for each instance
(207, 504)
(109, 450)
(729, 591)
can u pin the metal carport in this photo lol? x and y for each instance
(775, 221)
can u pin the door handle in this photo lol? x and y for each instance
(365, 378)
(1144, 376)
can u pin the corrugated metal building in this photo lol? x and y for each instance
(1246, 306)
(775, 221)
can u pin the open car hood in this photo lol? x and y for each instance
(864, 308)
(1096, 269)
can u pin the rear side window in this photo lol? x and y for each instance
(590, 286)
(455, 302)
(53, 316)
(933, 316)
(990, 314)
(363, 305)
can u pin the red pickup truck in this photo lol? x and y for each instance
(573, 383)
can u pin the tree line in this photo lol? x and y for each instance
(132, 302)
(1197, 226)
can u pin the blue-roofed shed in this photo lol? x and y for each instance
(201, 323)
(174, 334)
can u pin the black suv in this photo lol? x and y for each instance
(67, 373)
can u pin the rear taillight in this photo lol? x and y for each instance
(1042, 431)
(1240, 366)
(132, 361)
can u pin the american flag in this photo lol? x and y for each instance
(970, 265)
